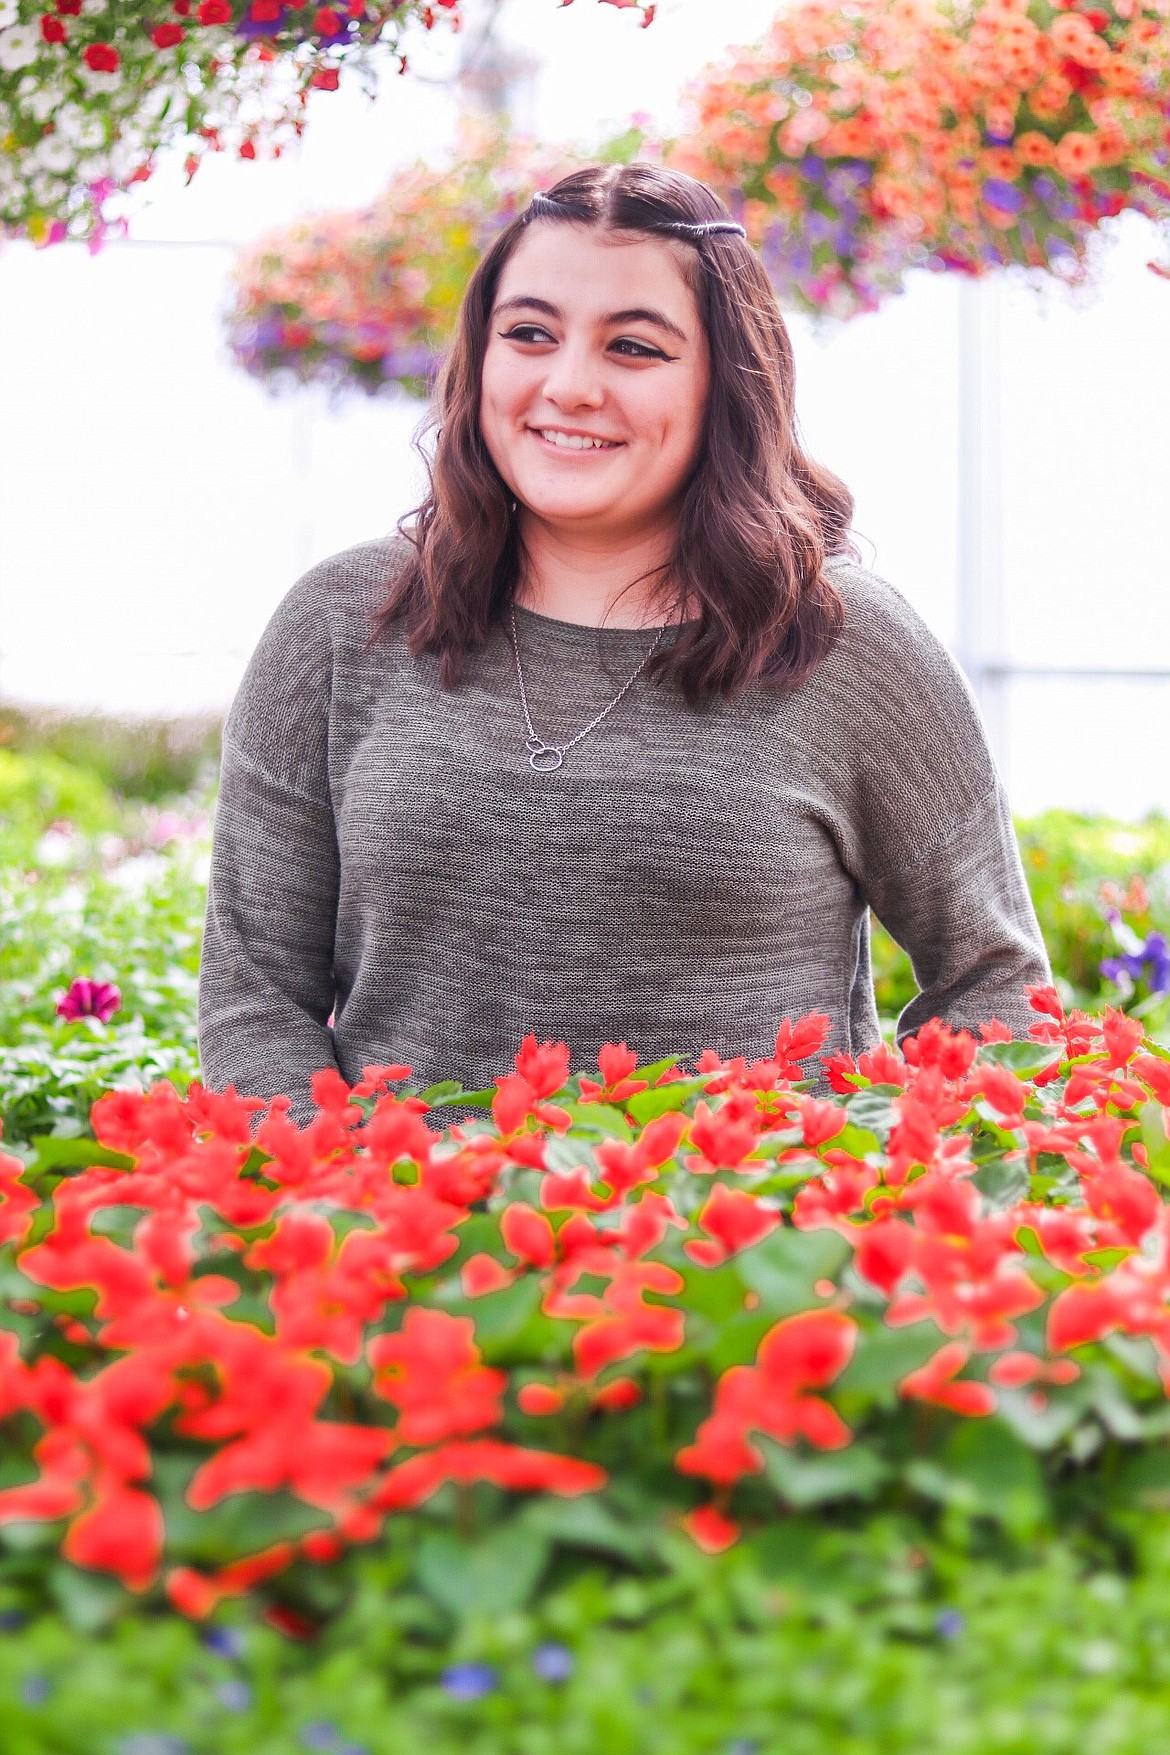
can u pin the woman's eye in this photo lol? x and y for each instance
(524, 332)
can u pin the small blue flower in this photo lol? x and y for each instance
(225, 1642)
(552, 1662)
(949, 1623)
(469, 1681)
(236, 1696)
(35, 1689)
(743, 1746)
(320, 1734)
(11, 1619)
(153, 1743)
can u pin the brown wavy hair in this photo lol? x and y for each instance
(758, 518)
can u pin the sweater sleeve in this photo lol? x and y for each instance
(930, 838)
(266, 982)
(962, 911)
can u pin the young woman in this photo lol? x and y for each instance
(617, 742)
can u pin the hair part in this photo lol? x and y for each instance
(758, 518)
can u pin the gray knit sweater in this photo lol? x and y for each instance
(383, 852)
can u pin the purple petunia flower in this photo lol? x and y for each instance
(469, 1681)
(949, 1623)
(89, 999)
(1003, 195)
(1153, 955)
(553, 1662)
(225, 1642)
(261, 27)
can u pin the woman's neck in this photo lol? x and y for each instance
(590, 586)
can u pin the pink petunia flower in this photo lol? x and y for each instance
(85, 998)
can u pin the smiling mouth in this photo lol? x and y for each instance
(574, 450)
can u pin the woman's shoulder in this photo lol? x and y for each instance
(884, 641)
(340, 591)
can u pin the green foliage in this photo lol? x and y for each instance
(153, 759)
(821, 1639)
(1066, 858)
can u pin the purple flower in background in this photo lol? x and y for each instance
(234, 1695)
(11, 1619)
(1154, 955)
(553, 1662)
(227, 1642)
(818, 226)
(261, 27)
(89, 999)
(469, 1681)
(949, 1623)
(413, 361)
(1003, 195)
(320, 1734)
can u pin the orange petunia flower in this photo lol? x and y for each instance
(1035, 148)
(1076, 154)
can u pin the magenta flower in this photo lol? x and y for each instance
(89, 999)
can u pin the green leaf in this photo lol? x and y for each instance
(601, 1118)
(1025, 1059)
(883, 1356)
(492, 1576)
(818, 1477)
(737, 1340)
(995, 1473)
(500, 1316)
(1144, 1479)
(241, 1524)
(784, 1268)
(586, 1523)
(1003, 1182)
(79, 1154)
(451, 1091)
(1042, 1427)
(564, 1154)
(646, 1106)
(88, 1601)
(872, 1111)
(1155, 1141)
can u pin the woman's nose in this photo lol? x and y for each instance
(574, 377)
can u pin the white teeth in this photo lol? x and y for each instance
(574, 441)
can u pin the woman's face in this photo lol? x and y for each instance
(594, 336)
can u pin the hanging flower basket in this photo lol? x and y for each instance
(91, 91)
(863, 139)
(367, 300)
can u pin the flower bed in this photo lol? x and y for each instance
(535, 1372)
(859, 141)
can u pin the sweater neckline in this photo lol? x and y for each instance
(536, 630)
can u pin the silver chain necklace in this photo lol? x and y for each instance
(539, 750)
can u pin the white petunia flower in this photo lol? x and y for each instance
(53, 154)
(9, 13)
(42, 103)
(19, 47)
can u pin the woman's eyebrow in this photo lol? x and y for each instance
(636, 313)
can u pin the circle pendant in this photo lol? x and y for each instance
(540, 758)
